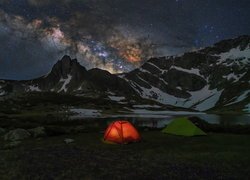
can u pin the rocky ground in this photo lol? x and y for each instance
(158, 156)
(37, 141)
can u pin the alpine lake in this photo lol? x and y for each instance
(72, 147)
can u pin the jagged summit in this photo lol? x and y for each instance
(216, 77)
(66, 66)
(68, 76)
(241, 42)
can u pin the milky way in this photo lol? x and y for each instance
(115, 35)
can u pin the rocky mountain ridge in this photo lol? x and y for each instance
(216, 77)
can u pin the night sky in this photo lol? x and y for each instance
(116, 35)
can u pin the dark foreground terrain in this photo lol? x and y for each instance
(158, 156)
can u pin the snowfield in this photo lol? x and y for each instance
(234, 54)
(242, 97)
(201, 100)
(65, 83)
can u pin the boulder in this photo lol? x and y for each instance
(68, 141)
(37, 132)
(2, 131)
(11, 145)
(17, 134)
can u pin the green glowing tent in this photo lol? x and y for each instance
(183, 127)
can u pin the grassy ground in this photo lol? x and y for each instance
(158, 156)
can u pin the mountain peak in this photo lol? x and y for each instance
(66, 58)
(66, 66)
(241, 42)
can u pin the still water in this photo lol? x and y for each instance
(161, 120)
(210, 118)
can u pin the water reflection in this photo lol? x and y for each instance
(226, 119)
(157, 122)
(159, 119)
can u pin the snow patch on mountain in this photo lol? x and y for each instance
(242, 97)
(234, 54)
(162, 97)
(146, 106)
(34, 88)
(150, 112)
(65, 83)
(201, 100)
(190, 71)
(155, 66)
(247, 108)
(235, 77)
(80, 88)
(210, 102)
(116, 98)
(144, 70)
(2, 93)
(122, 76)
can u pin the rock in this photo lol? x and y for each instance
(2, 131)
(17, 134)
(189, 82)
(79, 129)
(14, 109)
(196, 78)
(58, 130)
(64, 69)
(68, 141)
(218, 74)
(12, 144)
(38, 132)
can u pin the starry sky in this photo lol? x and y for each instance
(115, 35)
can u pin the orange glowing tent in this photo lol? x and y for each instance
(121, 132)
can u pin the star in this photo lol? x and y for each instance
(112, 35)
